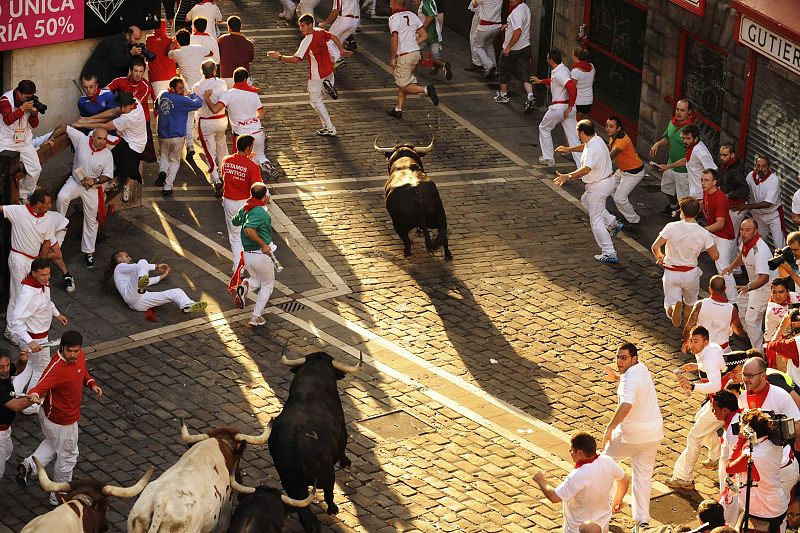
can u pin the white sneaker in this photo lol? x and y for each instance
(32, 410)
(327, 132)
(257, 321)
(126, 193)
(53, 500)
(546, 162)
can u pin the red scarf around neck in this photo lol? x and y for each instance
(759, 180)
(252, 203)
(32, 212)
(689, 120)
(732, 161)
(747, 246)
(719, 298)
(244, 86)
(30, 281)
(583, 65)
(201, 33)
(756, 400)
(586, 461)
(689, 151)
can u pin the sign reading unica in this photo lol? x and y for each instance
(698, 7)
(25, 23)
(768, 43)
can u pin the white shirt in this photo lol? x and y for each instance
(756, 262)
(584, 82)
(596, 156)
(347, 7)
(519, 19)
(775, 313)
(767, 500)
(127, 282)
(33, 313)
(489, 10)
(558, 84)
(777, 400)
(59, 224)
(796, 202)
(405, 24)
(685, 241)
(711, 361)
(767, 191)
(207, 41)
(132, 127)
(716, 318)
(700, 160)
(586, 493)
(242, 108)
(643, 422)
(210, 12)
(189, 58)
(217, 86)
(95, 163)
(28, 231)
(7, 130)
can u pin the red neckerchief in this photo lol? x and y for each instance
(30, 281)
(32, 212)
(756, 400)
(689, 150)
(201, 33)
(760, 180)
(91, 146)
(689, 120)
(244, 86)
(395, 11)
(747, 246)
(732, 161)
(252, 203)
(586, 461)
(730, 416)
(583, 65)
(719, 298)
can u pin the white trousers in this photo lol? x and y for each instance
(190, 133)
(19, 266)
(681, 286)
(727, 253)
(553, 117)
(288, 9)
(752, 307)
(143, 302)
(681, 181)
(262, 278)
(60, 442)
(695, 189)
(306, 6)
(643, 461)
(37, 362)
(30, 159)
(231, 207)
(6, 449)
(342, 28)
(704, 431)
(625, 183)
(484, 46)
(736, 218)
(315, 96)
(259, 146)
(214, 143)
(770, 224)
(169, 159)
(159, 86)
(473, 30)
(72, 190)
(594, 200)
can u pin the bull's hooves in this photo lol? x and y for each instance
(333, 508)
(345, 463)
(406, 254)
(448, 257)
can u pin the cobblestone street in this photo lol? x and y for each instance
(476, 370)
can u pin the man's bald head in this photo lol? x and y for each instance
(754, 364)
(99, 138)
(590, 527)
(748, 223)
(717, 285)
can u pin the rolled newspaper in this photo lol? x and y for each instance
(678, 374)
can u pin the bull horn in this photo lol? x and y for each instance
(382, 150)
(291, 502)
(341, 367)
(129, 492)
(256, 440)
(44, 480)
(189, 438)
(244, 489)
(425, 149)
(293, 362)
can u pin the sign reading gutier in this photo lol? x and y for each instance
(770, 44)
(26, 23)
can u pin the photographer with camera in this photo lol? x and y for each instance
(785, 260)
(767, 500)
(20, 109)
(112, 57)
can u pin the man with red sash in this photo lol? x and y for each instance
(753, 297)
(561, 109)
(765, 202)
(211, 126)
(716, 210)
(716, 314)
(711, 367)
(16, 132)
(60, 392)
(585, 491)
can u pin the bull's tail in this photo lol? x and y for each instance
(421, 204)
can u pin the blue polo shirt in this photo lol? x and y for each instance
(103, 100)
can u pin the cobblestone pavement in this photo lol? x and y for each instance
(476, 370)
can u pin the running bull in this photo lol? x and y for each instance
(194, 495)
(309, 436)
(262, 509)
(412, 198)
(85, 504)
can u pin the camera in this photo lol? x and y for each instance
(784, 429)
(38, 105)
(784, 255)
(148, 55)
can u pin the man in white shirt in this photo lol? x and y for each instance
(208, 10)
(754, 296)
(199, 36)
(189, 57)
(636, 428)
(683, 241)
(343, 21)
(561, 110)
(696, 160)
(92, 166)
(19, 117)
(406, 30)
(586, 489)
(711, 367)
(724, 405)
(485, 33)
(596, 172)
(780, 298)
(211, 126)
(765, 201)
(515, 58)
(716, 314)
(795, 214)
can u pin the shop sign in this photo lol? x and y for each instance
(25, 23)
(698, 7)
(770, 44)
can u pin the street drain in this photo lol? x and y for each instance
(291, 307)
(396, 425)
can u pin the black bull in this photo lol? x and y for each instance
(412, 198)
(309, 436)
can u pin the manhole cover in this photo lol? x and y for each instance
(396, 425)
(291, 307)
(674, 508)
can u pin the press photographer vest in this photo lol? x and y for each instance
(7, 130)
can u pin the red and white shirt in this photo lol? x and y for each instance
(405, 24)
(95, 163)
(33, 313)
(142, 91)
(15, 119)
(207, 41)
(242, 108)
(63, 384)
(489, 13)
(685, 241)
(314, 47)
(562, 86)
(239, 172)
(28, 230)
(775, 313)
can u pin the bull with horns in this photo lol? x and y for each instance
(309, 436)
(412, 198)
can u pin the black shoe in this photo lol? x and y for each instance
(69, 283)
(330, 89)
(432, 94)
(162, 177)
(668, 209)
(88, 261)
(350, 44)
(448, 72)
(474, 68)
(22, 475)
(218, 189)
(530, 105)
(395, 113)
(492, 74)
(166, 192)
